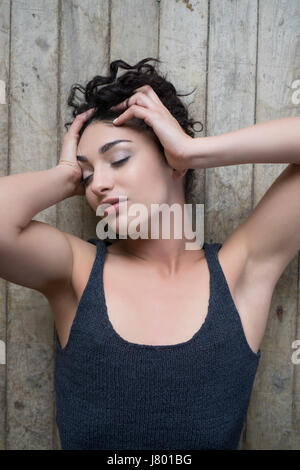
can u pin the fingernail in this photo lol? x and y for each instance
(115, 120)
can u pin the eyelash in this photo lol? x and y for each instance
(119, 162)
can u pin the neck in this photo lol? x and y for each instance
(166, 255)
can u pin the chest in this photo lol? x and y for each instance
(143, 308)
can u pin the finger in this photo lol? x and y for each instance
(120, 106)
(135, 111)
(123, 105)
(79, 120)
(138, 98)
(148, 90)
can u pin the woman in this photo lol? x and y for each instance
(158, 346)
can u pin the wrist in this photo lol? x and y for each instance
(197, 152)
(70, 174)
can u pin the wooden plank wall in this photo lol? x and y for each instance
(243, 56)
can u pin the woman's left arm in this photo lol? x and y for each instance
(276, 141)
(270, 237)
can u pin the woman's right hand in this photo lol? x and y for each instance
(68, 155)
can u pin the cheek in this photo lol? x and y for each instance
(148, 185)
(155, 190)
(151, 171)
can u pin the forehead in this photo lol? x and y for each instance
(99, 133)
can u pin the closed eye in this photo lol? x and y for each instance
(118, 163)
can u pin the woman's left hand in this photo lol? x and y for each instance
(145, 104)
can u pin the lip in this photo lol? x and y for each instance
(113, 208)
(113, 200)
(114, 204)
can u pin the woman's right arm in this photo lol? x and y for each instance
(34, 254)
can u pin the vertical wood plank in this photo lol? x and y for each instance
(32, 148)
(273, 421)
(84, 46)
(4, 129)
(83, 53)
(296, 378)
(134, 23)
(183, 48)
(230, 106)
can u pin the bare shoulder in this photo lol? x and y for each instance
(80, 247)
(83, 255)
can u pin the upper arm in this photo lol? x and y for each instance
(270, 236)
(37, 257)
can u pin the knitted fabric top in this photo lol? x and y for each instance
(113, 394)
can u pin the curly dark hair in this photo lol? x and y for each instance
(103, 97)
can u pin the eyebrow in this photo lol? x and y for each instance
(104, 148)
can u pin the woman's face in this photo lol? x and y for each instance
(143, 176)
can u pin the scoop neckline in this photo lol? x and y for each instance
(130, 344)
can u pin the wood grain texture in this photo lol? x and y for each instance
(84, 28)
(4, 144)
(243, 56)
(274, 412)
(183, 50)
(33, 137)
(230, 105)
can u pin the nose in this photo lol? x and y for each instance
(102, 182)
